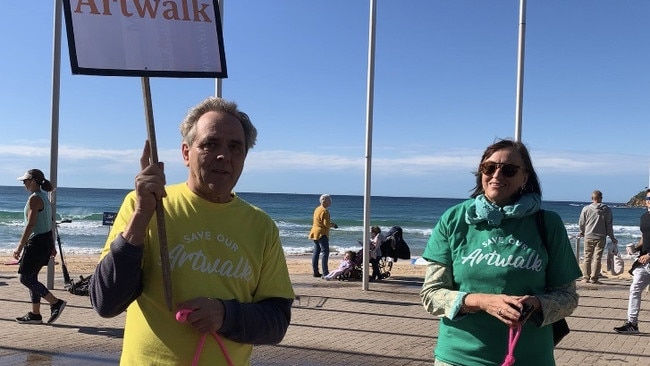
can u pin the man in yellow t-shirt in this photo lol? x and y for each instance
(227, 263)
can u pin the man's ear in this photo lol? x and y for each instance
(185, 152)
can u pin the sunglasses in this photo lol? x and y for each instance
(508, 170)
(647, 198)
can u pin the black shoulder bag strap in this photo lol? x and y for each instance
(541, 227)
(560, 327)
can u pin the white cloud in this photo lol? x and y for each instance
(445, 173)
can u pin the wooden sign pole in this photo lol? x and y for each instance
(160, 212)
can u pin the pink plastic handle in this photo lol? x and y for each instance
(181, 316)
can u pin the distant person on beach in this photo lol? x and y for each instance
(640, 274)
(487, 263)
(228, 267)
(346, 264)
(37, 247)
(320, 233)
(376, 239)
(595, 225)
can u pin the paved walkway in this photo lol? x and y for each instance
(334, 323)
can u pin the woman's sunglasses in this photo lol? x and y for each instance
(508, 170)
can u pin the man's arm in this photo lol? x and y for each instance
(118, 277)
(117, 280)
(610, 227)
(263, 322)
(581, 223)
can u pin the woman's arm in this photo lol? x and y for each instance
(35, 204)
(556, 303)
(437, 295)
(439, 298)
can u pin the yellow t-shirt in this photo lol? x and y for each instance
(226, 251)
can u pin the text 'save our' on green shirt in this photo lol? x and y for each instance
(509, 259)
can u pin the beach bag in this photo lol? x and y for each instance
(80, 287)
(560, 327)
(617, 265)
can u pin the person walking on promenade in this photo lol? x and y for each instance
(37, 246)
(487, 263)
(320, 233)
(595, 225)
(228, 270)
(640, 274)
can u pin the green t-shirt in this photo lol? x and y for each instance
(508, 259)
(225, 251)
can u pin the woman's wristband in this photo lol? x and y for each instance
(463, 307)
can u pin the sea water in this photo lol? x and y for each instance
(292, 213)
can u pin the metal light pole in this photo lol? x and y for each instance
(369, 115)
(520, 69)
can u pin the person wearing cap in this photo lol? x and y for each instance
(36, 247)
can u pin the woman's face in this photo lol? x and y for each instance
(29, 185)
(500, 185)
(327, 202)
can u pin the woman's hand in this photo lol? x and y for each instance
(504, 307)
(17, 252)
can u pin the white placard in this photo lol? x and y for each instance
(169, 38)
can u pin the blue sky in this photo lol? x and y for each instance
(445, 85)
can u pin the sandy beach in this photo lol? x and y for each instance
(85, 264)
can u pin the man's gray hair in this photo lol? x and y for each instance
(214, 104)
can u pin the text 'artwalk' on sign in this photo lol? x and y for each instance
(185, 10)
(158, 38)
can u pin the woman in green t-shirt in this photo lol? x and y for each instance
(487, 261)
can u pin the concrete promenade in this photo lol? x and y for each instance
(334, 323)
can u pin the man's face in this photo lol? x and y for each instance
(216, 157)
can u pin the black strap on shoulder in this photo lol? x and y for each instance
(541, 227)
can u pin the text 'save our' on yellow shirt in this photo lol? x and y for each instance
(226, 251)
